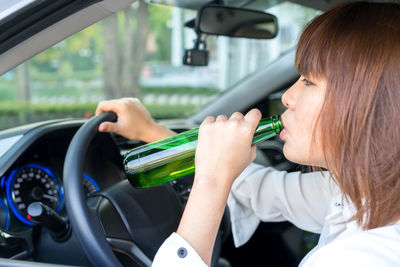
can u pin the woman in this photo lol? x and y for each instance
(342, 114)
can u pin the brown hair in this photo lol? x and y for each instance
(356, 48)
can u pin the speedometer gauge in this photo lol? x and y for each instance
(89, 185)
(32, 183)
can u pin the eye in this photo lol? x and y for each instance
(307, 82)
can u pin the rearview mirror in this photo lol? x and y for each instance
(236, 22)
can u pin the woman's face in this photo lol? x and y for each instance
(303, 101)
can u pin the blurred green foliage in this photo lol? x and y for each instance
(74, 68)
(9, 94)
(159, 18)
(179, 90)
(84, 50)
(83, 110)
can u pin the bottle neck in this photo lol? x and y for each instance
(267, 128)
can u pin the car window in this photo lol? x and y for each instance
(117, 58)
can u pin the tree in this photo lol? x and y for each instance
(127, 64)
(23, 85)
(111, 57)
(140, 40)
(122, 72)
(134, 48)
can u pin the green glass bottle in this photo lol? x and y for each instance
(173, 157)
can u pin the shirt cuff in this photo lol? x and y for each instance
(177, 252)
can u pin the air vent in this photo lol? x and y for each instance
(125, 144)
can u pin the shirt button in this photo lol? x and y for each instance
(182, 252)
(338, 204)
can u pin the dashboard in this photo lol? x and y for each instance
(32, 171)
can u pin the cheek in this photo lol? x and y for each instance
(297, 147)
(305, 119)
(301, 147)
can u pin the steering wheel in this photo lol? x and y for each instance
(119, 225)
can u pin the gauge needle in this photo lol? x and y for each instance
(50, 197)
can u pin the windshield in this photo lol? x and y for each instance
(116, 58)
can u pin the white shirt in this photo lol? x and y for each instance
(312, 202)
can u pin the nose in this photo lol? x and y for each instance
(288, 98)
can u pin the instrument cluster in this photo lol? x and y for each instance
(33, 182)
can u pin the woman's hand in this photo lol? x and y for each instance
(224, 147)
(134, 120)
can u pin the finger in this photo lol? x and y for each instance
(222, 118)
(209, 119)
(104, 106)
(253, 117)
(99, 109)
(107, 127)
(237, 116)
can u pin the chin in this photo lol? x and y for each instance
(291, 155)
(298, 156)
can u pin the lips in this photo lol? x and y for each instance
(282, 133)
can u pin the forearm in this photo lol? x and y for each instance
(157, 132)
(223, 151)
(202, 216)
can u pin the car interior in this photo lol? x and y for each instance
(64, 196)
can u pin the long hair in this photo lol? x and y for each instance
(356, 48)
